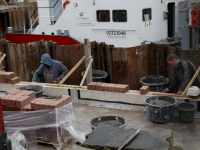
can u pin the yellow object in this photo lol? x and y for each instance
(162, 1)
(75, 4)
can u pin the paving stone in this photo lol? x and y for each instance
(110, 137)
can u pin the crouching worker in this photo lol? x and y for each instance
(184, 71)
(50, 71)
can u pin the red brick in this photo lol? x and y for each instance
(90, 86)
(66, 99)
(102, 87)
(38, 103)
(141, 90)
(33, 103)
(12, 100)
(144, 90)
(41, 105)
(4, 99)
(46, 106)
(4, 108)
(14, 92)
(13, 109)
(27, 108)
(15, 80)
(121, 88)
(31, 94)
(10, 75)
(2, 77)
(23, 101)
(97, 86)
(56, 104)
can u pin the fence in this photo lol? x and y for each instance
(17, 17)
(124, 65)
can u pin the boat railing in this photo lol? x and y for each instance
(32, 24)
(30, 19)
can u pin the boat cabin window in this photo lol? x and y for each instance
(146, 14)
(119, 16)
(103, 15)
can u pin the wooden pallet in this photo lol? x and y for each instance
(49, 143)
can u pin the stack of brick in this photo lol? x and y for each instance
(8, 77)
(144, 90)
(41, 103)
(16, 99)
(108, 87)
(22, 100)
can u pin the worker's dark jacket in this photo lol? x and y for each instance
(183, 74)
(48, 74)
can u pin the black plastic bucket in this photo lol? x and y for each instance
(37, 88)
(186, 112)
(98, 75)
(155, 83)
(108, 121)
(160, 109)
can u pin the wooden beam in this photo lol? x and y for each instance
(86, 72)
(71, 71)
(87, 48)
(192, 80)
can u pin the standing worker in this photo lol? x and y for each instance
(50, 71)
(184, 71)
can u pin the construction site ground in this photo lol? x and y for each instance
(185, 135)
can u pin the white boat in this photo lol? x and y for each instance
(123, 23)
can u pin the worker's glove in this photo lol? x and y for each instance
(56, 81)
(166, 90)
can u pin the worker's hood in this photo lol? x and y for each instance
(46, 59)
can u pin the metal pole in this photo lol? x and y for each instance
(26, 12)
(31, 24)
(87, 48)
(24, 30)
(52, 16)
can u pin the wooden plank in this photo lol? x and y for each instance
(4, 25)
(108, 58)
(37, 55)
(1, 29)
(13, 58)
(60, 54)
(152, 59)
(73, 51)
(20, 62)
(97, 57)
(162, 60)
(139, 66)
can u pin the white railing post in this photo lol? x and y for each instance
(52, 16)
(31, 25)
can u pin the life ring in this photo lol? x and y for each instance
(66, 2)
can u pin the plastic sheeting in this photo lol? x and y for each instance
(19, 142)
(53, 126)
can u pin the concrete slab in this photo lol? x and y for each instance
(113, 138)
